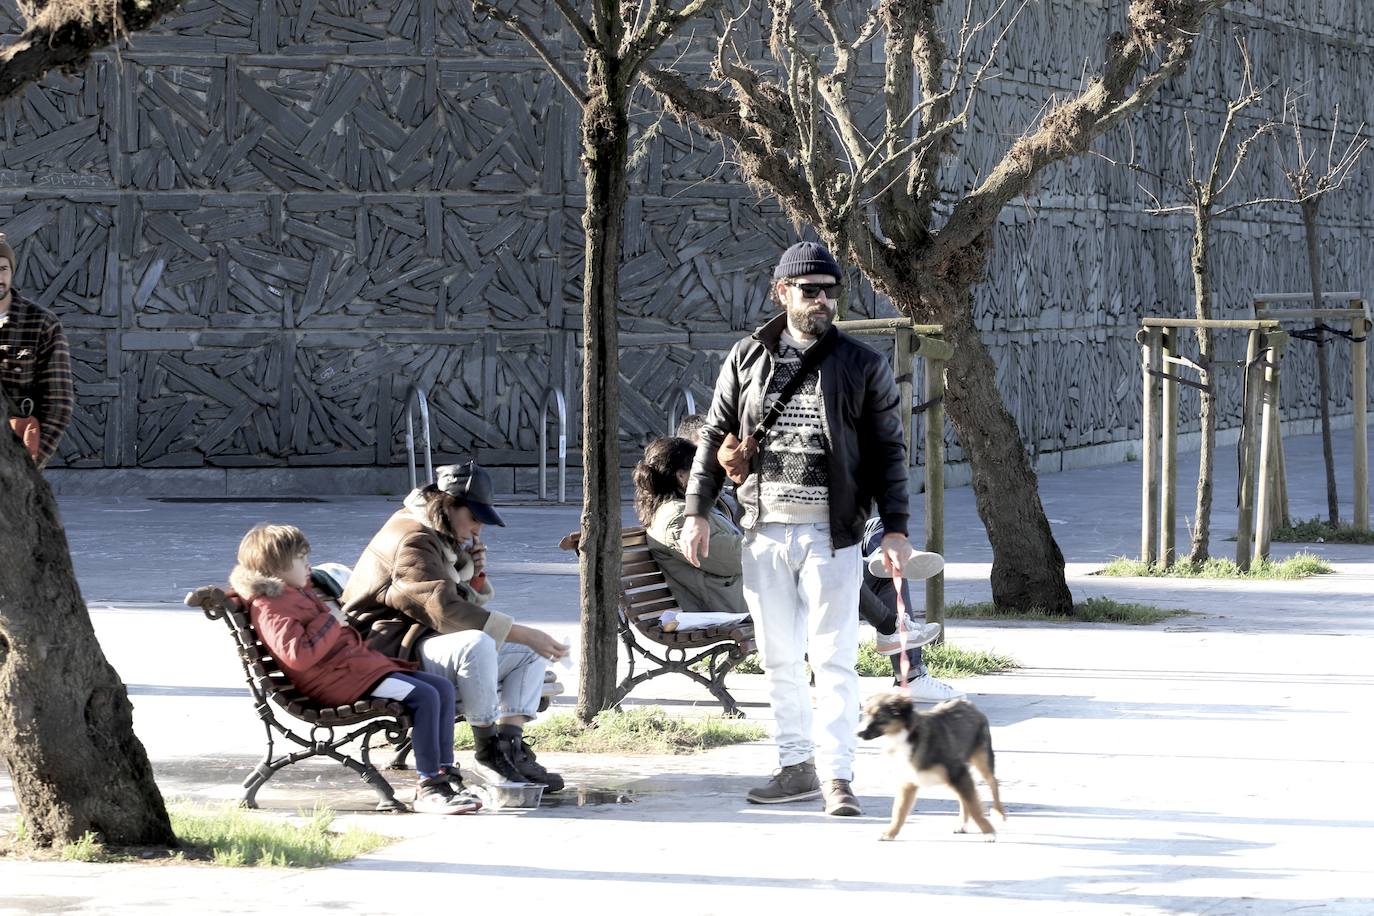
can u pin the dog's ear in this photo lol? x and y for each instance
(897, 707)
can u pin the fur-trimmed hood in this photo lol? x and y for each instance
(249, 583)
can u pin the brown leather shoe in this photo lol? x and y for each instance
(839, 799)
(790, 784)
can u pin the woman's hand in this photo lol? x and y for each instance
(541, 642)
(477, 551)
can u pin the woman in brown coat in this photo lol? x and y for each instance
(419, 591)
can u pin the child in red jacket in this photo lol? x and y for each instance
(328, 661)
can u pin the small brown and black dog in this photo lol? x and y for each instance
(935, 747)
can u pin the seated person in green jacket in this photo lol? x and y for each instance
(716, 587)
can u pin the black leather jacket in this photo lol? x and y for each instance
(867, 454)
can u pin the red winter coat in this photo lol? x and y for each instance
(325, 659)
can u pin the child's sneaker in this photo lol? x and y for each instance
(455, 782)
(436, 796)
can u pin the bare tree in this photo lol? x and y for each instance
(1310, 187)
(879, 198)
(1201, 191)
(617, 42)
(66, 726)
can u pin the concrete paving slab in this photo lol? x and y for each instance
(1215, 763)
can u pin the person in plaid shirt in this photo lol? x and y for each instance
(35, 369)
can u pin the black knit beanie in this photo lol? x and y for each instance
(6, 251)
(807, 258)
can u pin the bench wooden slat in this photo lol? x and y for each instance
(630, 583)
(639, 611)
(645, 596)
(638, 555)
(636, 569)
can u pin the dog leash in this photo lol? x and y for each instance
(904, 663)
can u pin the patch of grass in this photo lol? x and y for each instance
(223, 835)
(649, 730)
(1298, 566)
(947, 660)
(870, 663)
(1091, 610)
(234, 836)
(86, 849)
(749, 664)
(943, 660)
(1317, 531)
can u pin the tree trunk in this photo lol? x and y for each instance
(1309, 225)
(66, 726)
(1207, 417)
(605, 150)
(1027, 565)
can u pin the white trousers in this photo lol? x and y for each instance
(804, 597)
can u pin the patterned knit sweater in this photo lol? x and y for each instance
(793, 482)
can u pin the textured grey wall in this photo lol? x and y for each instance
(264, 222)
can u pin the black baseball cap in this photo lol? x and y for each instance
(472, 485)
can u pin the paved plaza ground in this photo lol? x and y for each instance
(1218, 763)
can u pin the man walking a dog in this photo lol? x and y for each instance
(807, 421)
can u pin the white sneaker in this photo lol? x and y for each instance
(919, 564)
(925, 689)
(916, 636)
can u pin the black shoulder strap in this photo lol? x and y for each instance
(809, 361)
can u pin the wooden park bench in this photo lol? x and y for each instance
(331, 728)
(644, 595)
(388, 719)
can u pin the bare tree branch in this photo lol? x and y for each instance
(1308, 186)
(719, 114)
(660, 24)
(518, 25)
(928, 55)
(65, 35)
(834, 86)
(604, 22)
(574, 19)
(1069, 129)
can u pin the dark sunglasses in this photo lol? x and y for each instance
(812, 290)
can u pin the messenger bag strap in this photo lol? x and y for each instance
(810, 360)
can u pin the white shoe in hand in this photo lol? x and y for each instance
(918, 565)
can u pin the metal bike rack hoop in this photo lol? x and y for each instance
(683, 394)
(553, 397)
(415, 396)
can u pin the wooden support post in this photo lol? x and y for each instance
(1168, 458)
(902, 369)
(1359, 328)
(1282, 518)
(1245, 516)
(935, 486)
(1149, 340)
(1269, 407)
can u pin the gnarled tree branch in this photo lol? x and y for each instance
(1068, 129)
(719, 114)
(65, 35)
(519, 27)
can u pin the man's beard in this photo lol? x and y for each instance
(809, 323)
